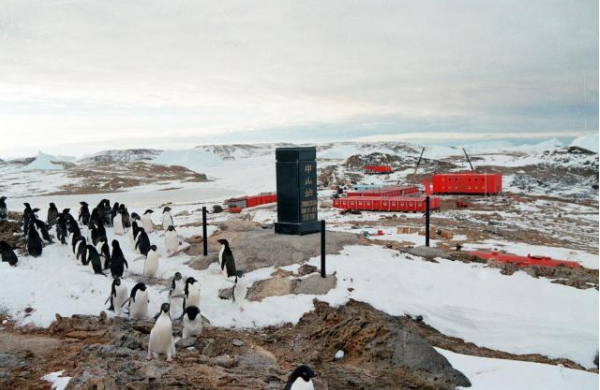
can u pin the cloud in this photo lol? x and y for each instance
(120, 72)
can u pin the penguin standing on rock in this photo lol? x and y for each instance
(146, 220)
(161, 335)
(118, 296)
(167, 218)
(300, 379)
(138, 301)
(229, 269)
(171, 240)
(8, 254)
(151, 263)
(192, 322)
(34, 242)
(52, 215)
(84, 214)
(117, 261)
(3, 209)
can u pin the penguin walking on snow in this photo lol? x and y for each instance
(118, 227)
(161, 335)
(117, 261)
(118, 296)
(3, 209)
(192, 322)
(98, 232)
(34, 242)
(142, 242)
(151, 263)
(52, 215)
(40, 226)
(81, 251)
(133, 232)
(8, 254)
(84, 214)
(167, 218)
(192, 293)
(125, 216)
(300, 379)
(171, 240)
(61, 229)
(104, 251)
(138, 301)
(93, 258)
(229, 269)
(146, 220)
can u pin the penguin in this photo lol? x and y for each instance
(100, 211)
(93, 258)
(151, 263)
(125, 216)
(3, 209)
(133, 232)
(117, 260)
(300, 379)
(72, 225)
(81, 251)
(72, 241)
(113, 212)
(118, 227)
(84, 214)
(8, 254)
(118, 296)
(226, 259)
(98, 232)
(26, 215)
(52, 215)
(142, 242)
(40, 226)
(61, 229)
(240, 288)
(171, 240)
(167, 218)
(177, 294)
(135, 217)
(146, 220)
(107, 210)
(95, 217)
(192, 322)
(192, 293)
(161, 335)
(138, 301)
(34, 242)
(103, 249)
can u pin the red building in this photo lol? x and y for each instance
(467, 183)
(386, 191)
(378, 169)
(385, 203)
(250, 201)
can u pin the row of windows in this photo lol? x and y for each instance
(393, 204)
(457, 178)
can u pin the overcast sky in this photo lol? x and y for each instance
(80, 76)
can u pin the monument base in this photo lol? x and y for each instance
(298, 229)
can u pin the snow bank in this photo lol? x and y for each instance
(57, 380)
(500, 374)
(195, 159)
(589, 142)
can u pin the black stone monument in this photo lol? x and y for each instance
(297, 205)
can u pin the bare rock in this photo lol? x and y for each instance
(306, 269)
(315, 284)
(274, 287)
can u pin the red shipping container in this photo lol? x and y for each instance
(384, 203)
(467, 183)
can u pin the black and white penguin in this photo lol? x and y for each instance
(94, 260)
(81, 251)
(146, 221)
(171, 240)
(191, 292)
(226, 259)
(95, 217)
(167, 218)
(117, 260)
(8, 254)
(40, 226)
(26, 215)
(72, 241)
(151, 263)
(104, 251)
(52, 215)
(34, 242)
(300, 379)
(3, 209)
(61, 229)
(118, 296)
(142, 242)
(138, 301)
(72, 225)
(113, 212)
(84, 214)
(133, 232)
(192, 322)
(118, 227)
(177, 295)
(125, 216)
(107, 210)
(161, 335)
(98, 232)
